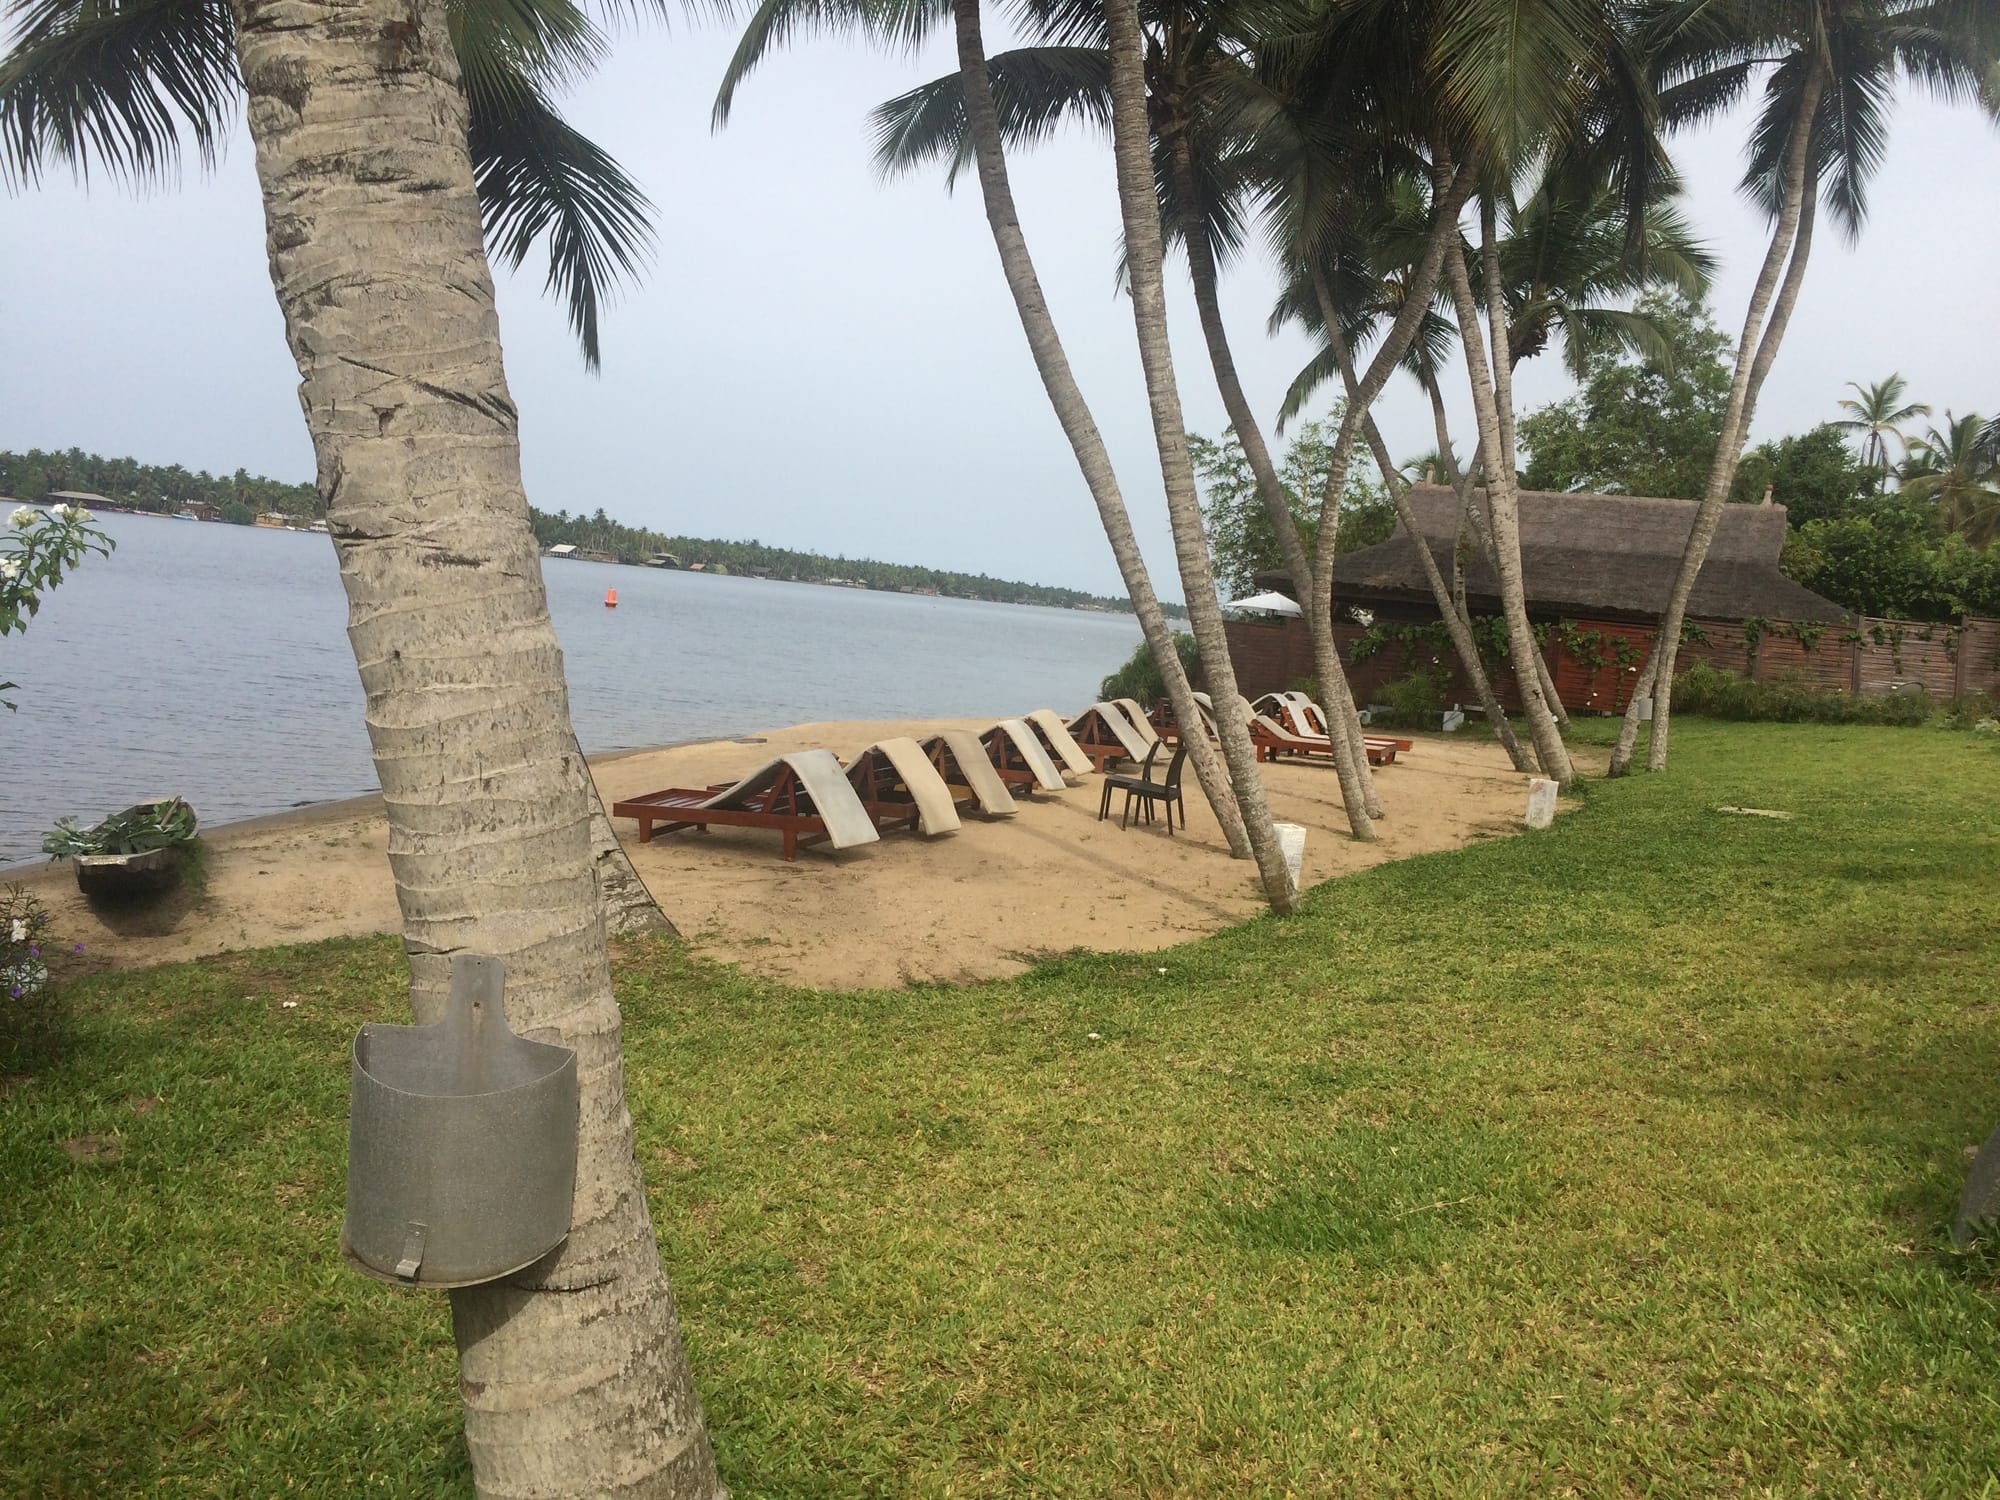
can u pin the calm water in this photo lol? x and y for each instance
(212, 661)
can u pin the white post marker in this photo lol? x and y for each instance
(1541, 802)
(1292, 842)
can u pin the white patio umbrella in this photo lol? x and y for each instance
(1267, 604)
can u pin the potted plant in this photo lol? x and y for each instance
(132, 853)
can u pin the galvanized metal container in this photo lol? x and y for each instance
(461, 1145)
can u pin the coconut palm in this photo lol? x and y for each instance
(123, 88)
(1956, 471)
(573, 1378)
(1878, 413)
(1830, 70)
(1199, 87)
(126, 87)
(977, 99)
(1144, 261)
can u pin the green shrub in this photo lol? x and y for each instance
(34, 1015)
(1415, 701)
(1791, 699)
(1139, 678)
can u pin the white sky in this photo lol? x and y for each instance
(819, 360)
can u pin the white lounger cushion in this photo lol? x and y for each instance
(834, 803)
(1065, 744)
(936, 812)
(969, 756)
(1120, 727)
(1141, 725)
(1028, 745)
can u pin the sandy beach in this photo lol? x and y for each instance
(986, 901)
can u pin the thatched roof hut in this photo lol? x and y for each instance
(1602, 557)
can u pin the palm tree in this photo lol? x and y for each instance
(1831, 69)
(1878, 413)
(117, 86)
(978, 100)
(573, 1378)
(1194, 73)
(1956, 471)
(1144, 260)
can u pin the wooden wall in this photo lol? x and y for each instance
(1875, 657)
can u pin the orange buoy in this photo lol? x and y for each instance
(611, 598)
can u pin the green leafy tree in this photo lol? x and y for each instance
(1813, 474)
(1892, 562)
(1139, 679)
(1640, 425)
(1239, 524)
(38, 551)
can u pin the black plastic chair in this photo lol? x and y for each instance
(1147, 790)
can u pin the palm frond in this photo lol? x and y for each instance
(553, 42)
(1035, 91)
(1318, 370)
(775, 24)
(114, 84)
(538, 176)
(1514, 76)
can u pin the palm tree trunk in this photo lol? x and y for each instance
(1357, 784)
(1503, 398)
(1755, 351)
(572, 1373)
(1144, 258)
(629, 908)
(982, 128)
(1506, 529)
(1457, 623)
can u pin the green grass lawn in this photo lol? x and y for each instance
(1611, 1160)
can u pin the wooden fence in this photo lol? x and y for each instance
(1595, 662)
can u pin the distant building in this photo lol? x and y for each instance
(562, 549)
(84, 498)
(1596, 571)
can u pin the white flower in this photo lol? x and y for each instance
(10, 568)
(20, 931)
(23, 517)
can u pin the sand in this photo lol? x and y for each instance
(986, 901)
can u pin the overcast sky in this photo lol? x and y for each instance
(821, 360)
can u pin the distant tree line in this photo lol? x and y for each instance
(240, 497)
(597, 532)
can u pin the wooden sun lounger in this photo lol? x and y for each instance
(1019, 759)
(1307, 720)
(896, 782)
(961, 762)
(1273, 740)
(804, 795)
(1141, 723)
(1104, 734)
(1056, 739)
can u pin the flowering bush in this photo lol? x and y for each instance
(36, 550)
(33, 1014)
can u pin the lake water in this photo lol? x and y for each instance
(212, 661)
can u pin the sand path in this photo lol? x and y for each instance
(986, 901)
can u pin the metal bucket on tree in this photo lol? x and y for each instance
(461, 1144)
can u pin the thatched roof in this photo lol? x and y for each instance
(1596, 556)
